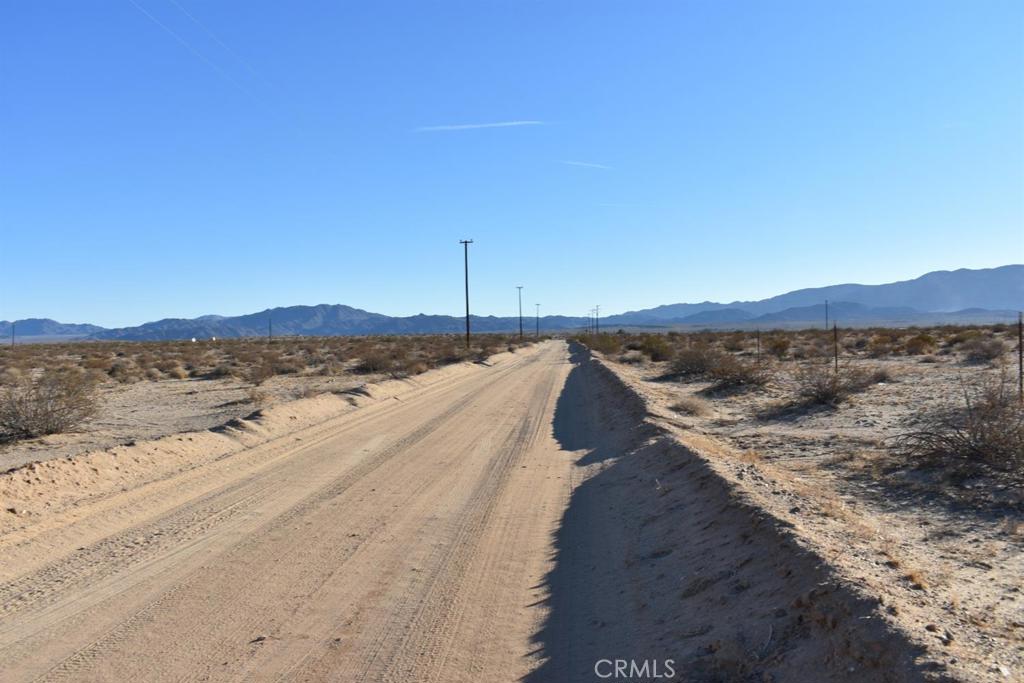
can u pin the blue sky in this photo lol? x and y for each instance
(172, 158)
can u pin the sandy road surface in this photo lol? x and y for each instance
(405, 541)
(518, 522)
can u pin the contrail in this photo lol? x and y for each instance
(220, 42)
(472, 126)
(191, 49)
(586, 164)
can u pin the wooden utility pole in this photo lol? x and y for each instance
(537, 333)
(520, 288)
(465, 247)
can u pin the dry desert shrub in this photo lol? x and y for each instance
(11, 375)
(731, 373)
(823, 384)
(373, 361)
(691, 405)
(632, 357)
(777, 346)
(124, 371)
(607, 344)
(919, 344)
(53, 402)
(656, 347)
(980, 350)
(985, 430)
(696, 361)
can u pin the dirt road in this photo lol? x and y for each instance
(521, 521)
(405, 541)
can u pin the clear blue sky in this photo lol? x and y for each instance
(171, 158)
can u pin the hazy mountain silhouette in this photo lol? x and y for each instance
(943, 291)
(968, 296)
(44, 327)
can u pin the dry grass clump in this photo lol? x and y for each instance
(986, 431)
(53, 402)
(632, 357)
(691, 405)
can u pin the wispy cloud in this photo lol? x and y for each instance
(473, 126)
(585, 164)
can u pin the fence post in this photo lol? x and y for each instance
(835, 345)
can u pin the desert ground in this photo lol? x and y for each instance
(394, 510)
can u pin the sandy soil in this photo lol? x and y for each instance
(948, 566)
(517, 521)
(150, 410)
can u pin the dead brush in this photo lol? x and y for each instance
(824, 384)
(691, 405)
(979, 351)
(731, 373)
(51, 403)
(984, 432)
(695, 361)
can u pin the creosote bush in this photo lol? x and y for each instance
(985, 431)
(983, 350)
(696, 360)
(53, 402)
(821, 384)
(734, 373)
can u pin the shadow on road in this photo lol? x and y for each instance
(658, 562)
(590, 617)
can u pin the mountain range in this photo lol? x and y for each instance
(965, 296)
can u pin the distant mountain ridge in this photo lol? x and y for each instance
(44, 327)
(942, 291)
(966, 296)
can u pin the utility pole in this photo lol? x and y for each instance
(12, 333)
(465, 249)
(597, 320)
(520, 288)
(270, 328)
(537, 334)
(826, 314)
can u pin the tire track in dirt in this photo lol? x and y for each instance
(312, 501)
